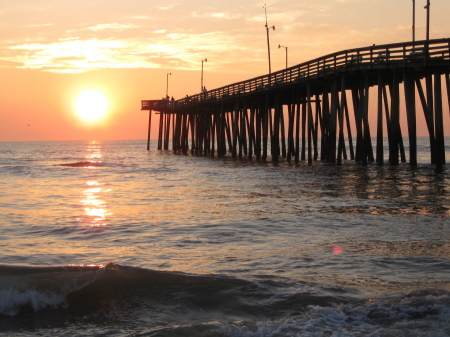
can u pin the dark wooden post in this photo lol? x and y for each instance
(290, 147)
(258, 134)
(380, 145)
(297, 133)
(265, 130)
(304, 105)
(357, 112)
(310, 122)
(161, 130)
(316, 125)
(349, 131)
(410, 100)
(282, 129)
(367, 138)
(428, 118)
(331, 125)
(149, 127)
(447, 82)
(251, 131)
(341, 146)
(395, 114)
(439, 124)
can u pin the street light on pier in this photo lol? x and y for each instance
(267, 31)
(201, 87)
(280, 46)
(427, 7)
(167, 85)
(414, 21)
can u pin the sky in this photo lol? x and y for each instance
(53, 50)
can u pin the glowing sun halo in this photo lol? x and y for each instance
(91, 105)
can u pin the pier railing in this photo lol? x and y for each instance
(399, 55)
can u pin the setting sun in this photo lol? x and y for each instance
(91, 105)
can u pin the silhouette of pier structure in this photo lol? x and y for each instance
(319, 110)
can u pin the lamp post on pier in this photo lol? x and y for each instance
(267, 31)
(427, 7)
(201, 87)
(414, 21)
(280, 46)
(167, 85)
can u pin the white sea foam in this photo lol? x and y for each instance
(12, 300)
(394, 317)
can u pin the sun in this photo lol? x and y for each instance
(91, 105)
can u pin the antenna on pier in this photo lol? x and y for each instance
(267, 31)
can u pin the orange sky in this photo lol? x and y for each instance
(52, 50)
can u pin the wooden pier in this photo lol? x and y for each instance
(308, 111)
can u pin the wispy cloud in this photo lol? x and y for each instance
(166, 7)
(113, 26)
(216, 15)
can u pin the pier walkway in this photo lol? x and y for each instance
(308, 111)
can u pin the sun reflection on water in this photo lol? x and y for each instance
(95, 208)
(94, 151)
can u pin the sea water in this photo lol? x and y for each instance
(108, 239)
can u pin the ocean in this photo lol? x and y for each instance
(108, 239)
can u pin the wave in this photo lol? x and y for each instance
(165, 303)
(82, 164)
(36, 288)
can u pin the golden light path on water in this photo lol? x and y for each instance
(95, 208)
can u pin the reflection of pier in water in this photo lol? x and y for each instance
(328, 98)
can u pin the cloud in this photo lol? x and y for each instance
(216, 15)
(167, 7)
(113, 26)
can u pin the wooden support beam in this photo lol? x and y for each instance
(447, 82)
(259, 122)
(349, 131)
(380, 145)
(310, 122)
(428, 118)
(265, 124)
(341, 145)
(234, 131)
(331, 125)
(324, 125)
(304, 107)
(438, 119)
(167, 132)
(251, 131)
(228, 131)
(316, 126)
(184, 134)
(410, 100)
(213, 133)
(297, 132)
(282, 131)
(161, 130)
(149, 128)
(357, 109)
(395, 114)
(291, 115)
(193, 131)
(276, 133)
(367, 138)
